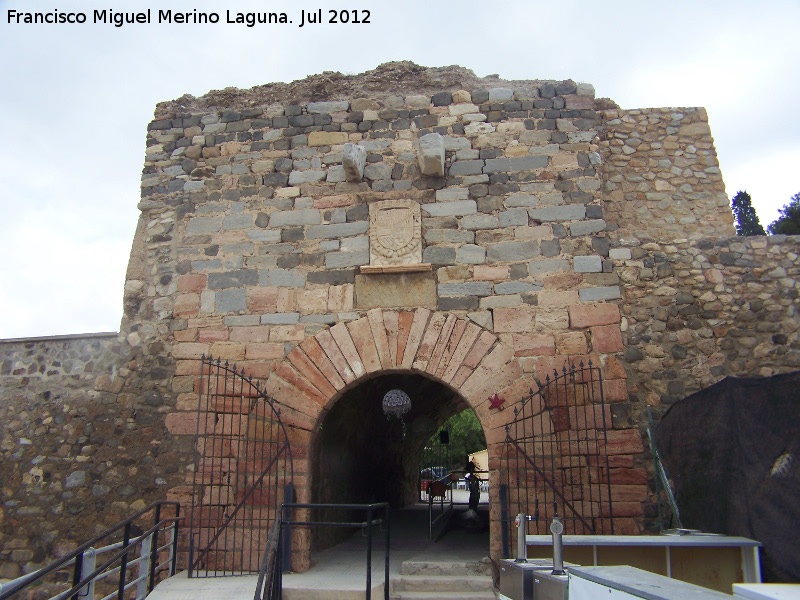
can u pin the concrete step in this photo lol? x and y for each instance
(443, 583)
(443, 596)
(447, 568)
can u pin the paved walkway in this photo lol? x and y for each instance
(340, 571)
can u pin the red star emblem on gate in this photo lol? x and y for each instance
(496, 402)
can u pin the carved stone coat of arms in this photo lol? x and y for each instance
(395, 236)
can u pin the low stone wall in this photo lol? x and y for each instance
(695, 312)
(80, 445)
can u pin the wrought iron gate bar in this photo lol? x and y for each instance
(555, 454)
(243, 465)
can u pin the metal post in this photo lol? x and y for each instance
(145, 567)
(77, 572)
(286, 529)
(522, 546)
(151, 576)
(369, 552)
(557, 529)
(89, 565)
(386, 560)
(123, 565)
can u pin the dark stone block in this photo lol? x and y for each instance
(276, 179)
(480, 96)
(546, 124)
(442, 99)
(491, 153)
(459, 303)
(355, 117)
(293, 110)
(288, 261)
(322, 119)
(159, 125)
(601, 245)
(633, 354)
(358, 213)
(519, 271)
(332, 277)
(426, 121)
(292, 234)
(280, 122)
(478, 190)
(230, 116)
(232, 279)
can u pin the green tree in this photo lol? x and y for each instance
(746, 218)
(466, 436)
(789, 221)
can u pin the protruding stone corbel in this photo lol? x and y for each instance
(430, 155)
(354, 158)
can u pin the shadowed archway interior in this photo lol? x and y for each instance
(360, 456)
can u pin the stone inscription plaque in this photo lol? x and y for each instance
(395, 233)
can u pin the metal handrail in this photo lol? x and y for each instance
(370, 508)
(80, 579)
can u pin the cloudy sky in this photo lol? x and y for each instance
(76, 99)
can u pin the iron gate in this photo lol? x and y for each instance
(243, 472)
(554, 456)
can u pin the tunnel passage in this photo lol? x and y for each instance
(360, 456)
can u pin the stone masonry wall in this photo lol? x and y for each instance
(78, 452)
(661, 177)
(695, 312)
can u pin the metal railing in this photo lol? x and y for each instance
(136, 560)
(556, 454)
(269, 579)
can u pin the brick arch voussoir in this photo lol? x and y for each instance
(456, 351)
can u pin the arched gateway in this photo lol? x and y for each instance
(329, 390)
(446, 362)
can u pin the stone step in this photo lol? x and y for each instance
(442, 583)
(447, 568)
(443, 596)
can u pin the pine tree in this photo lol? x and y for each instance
(789, 221)
(746, 218)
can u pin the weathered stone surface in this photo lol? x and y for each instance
(327, 107)
(430, 155)
(310, 176)
(338, 230)
(588, 264)
(449, 209)
(568, 212)
(466, 167)
(596, 294)
(587, 227)
(396, 290)
(354, 157)
(511, 251)
(471, 254)
(438, 255)
(306, 216)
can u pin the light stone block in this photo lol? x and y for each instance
(588, 264)
(354, 157)
(430, 155)
(619, 253)
(596, 294)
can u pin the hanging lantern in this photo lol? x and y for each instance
(396, 403)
